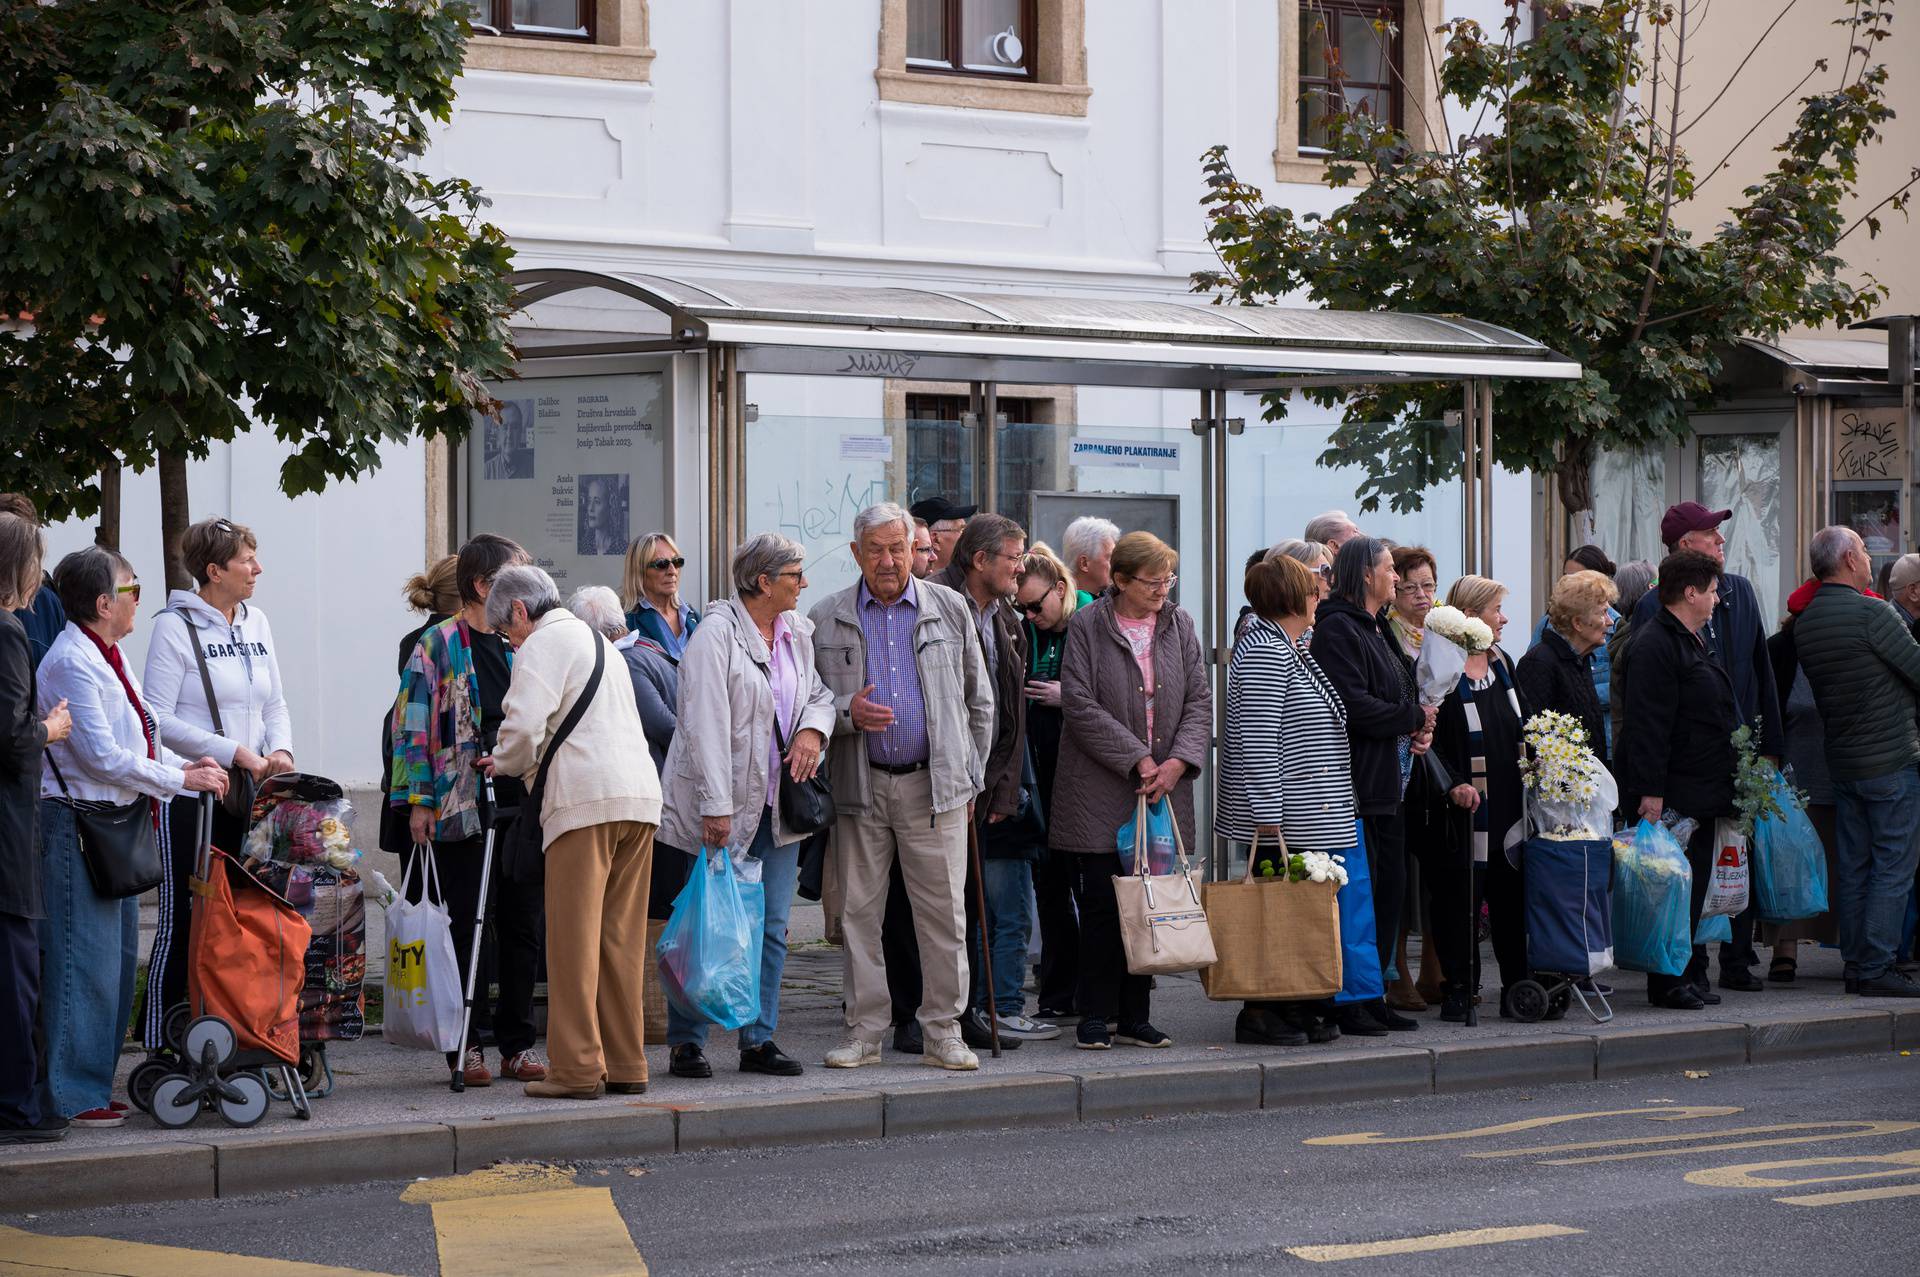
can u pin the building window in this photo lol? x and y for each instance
(1349, 58)
(592, 39)
(995, 38)
(534, 19)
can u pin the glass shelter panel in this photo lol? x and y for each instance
(1742, 473)
(1629, 496)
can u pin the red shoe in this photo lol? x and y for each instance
(99, 1117)
(475, 1068)
(524, 1066)
(118, 1107)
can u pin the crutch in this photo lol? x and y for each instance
(458, 1082)
(986, 937)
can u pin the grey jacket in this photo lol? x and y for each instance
(656, 692)
(718, 762)
(953, 678)
(1865, 671)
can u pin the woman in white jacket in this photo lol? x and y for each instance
(747, 680)
(114, 755)
(245, 726)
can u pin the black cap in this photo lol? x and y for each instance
(933, 509)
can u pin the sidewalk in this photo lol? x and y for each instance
(391, 1115)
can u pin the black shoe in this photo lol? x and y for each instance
(1142, 1034)
(1321, 1031)
(1890, 984)
(1704, 991)
(1740, 980)
(1356, 1023)
(1254, 1027)
(630, 1088)
(48, 1130)
(1682, 997)
(1057, 1015)
(975, 1033)
(688, 1060)
(769, 1059)
(1092, 1035)
(1455, 1002)
(907, 1039)
(1389, 1018)
(1853, 982)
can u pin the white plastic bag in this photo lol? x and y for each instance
(1727, 884)
(1438, 668)
(423, 1001)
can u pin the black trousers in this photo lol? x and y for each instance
(1059, 930)
(510, 953)
(900, 949)
(21, 1046)
(1387, 866)
(1107, 990)
(1700, 853)
(167, 965)
(1457, 897)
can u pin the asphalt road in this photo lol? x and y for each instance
(1578, 1179)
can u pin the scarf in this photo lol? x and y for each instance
(112, 652)
(1477, 746)
(1409, 637)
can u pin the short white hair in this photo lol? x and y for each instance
(1829, 547)
(879, 516)
(520, 583)
(765, 554)
(1325, 527)
(1087, 536)
(599, 607)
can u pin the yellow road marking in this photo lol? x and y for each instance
(1844, 1196)
(504, 1180)
(1905, 1162)
(577, 1231)
(32, 1252)
(1437, 1241)
(1832, 1131)
(1679, 1112)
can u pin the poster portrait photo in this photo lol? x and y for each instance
(508, 440)
(603, 514)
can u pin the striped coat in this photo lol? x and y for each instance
(1283, 756)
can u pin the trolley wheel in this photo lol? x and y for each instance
(173, 1025)
(210, 1031)
(171, 1108)
(316, 1075)
(140, 1083)
(252, 1104)
(1559, 1001)
(1527, 1000)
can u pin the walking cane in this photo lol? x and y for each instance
(458, 1082)
(986, 942)
(1473, 933)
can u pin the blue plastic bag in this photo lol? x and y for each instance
(1652, 915)
(1360, 977)
(1715, 930)
(1789, 861)
(709, 951)
(1569, 918)
(1161, 851)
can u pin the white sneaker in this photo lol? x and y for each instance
(950, 1053)
(855, 1053)
(1019, 1026)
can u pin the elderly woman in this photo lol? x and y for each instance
(1285, 778)
(1557, 672)
(1633, 581)
(213, 683)
(25, 734)
(448, 712)
(752, 711)
(1478, 737)
(114, 755)
(651, 591)
(1386, 730)
(597, 813)
(1590, 558)
(1139, 712)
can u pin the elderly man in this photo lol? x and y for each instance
(1334, 528)
(1864, 667)
(922, 549)
(597, 810)
(1903, 589)
(914, 697)
(945, 521)
(1087, 547)
(1736, 638)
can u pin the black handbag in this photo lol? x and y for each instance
(117, 842)
(806, 806)
(523, 855)
(238, 800)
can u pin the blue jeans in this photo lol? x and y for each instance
(1879, 843)
(779, 874)
(89, 947)
(1009, 886)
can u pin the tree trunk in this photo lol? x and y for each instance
(174, 516)
(107, 535)
(1574, 473)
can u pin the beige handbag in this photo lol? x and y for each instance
(1163, 926)
(1279, 941)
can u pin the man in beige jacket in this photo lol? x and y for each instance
(597, 820)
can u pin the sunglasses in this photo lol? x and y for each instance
(661, 565)
(1034, 608)
(133, 589)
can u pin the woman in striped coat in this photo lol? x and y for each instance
(1285, 774)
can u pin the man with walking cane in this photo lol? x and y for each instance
(913, 693)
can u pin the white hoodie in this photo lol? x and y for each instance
(245, 673)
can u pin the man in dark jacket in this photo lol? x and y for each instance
(1865, 671)
(1678, 750)
(1736, 637)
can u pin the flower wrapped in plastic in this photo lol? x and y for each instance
(1570, 794)
(305, 833)
(1449, 637)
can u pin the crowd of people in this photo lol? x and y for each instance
(987, 713)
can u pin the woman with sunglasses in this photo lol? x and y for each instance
(115, 755)
(650, 592)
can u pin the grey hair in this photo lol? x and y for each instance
(1306, 553)
(599, 607)
(1633, 580)
(1829, 548)
(765, 555)
(1325, 527)
(1087, 535)
(1351, 565)
(879, 516)
(520, 583)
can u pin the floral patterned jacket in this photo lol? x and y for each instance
(436, 732)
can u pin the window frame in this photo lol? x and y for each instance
(1327, 13)
(501, 25)
(950, 23)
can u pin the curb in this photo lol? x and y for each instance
(68, 1179)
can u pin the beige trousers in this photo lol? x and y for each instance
(597, 953)
(933, 861)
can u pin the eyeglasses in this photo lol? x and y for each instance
(1324, 571)
(1405, 587)
(1156, 584)
(798, 574)
(221, 525)
(1034, 608)
(927, 550)
(661, 565)
(133, 589)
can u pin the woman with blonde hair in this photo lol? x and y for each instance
(436, 592)
(650, 591)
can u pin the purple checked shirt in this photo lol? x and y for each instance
(895, 676)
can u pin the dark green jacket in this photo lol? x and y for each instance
(1865, 670)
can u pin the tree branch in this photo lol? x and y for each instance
(1666, 200)
(1861, 220)
(1743, 65)
(1717, 169)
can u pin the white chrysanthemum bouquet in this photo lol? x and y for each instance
(1569, 793)
(1307, 866)
(1450, 636)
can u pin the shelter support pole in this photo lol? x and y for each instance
(1486, 477)
(725, 477)
(988, 487)
(1216, 633)
(1469, 504)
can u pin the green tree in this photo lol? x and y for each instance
(213, 215)
(1557, 221)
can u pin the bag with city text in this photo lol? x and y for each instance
(423, 994)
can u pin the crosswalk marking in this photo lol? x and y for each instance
(1435, 1241)
(577, 1231)
(23, 1252)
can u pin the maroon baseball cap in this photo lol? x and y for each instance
(1689, 516)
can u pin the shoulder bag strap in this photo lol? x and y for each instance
(572, 719)
(206, 678)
